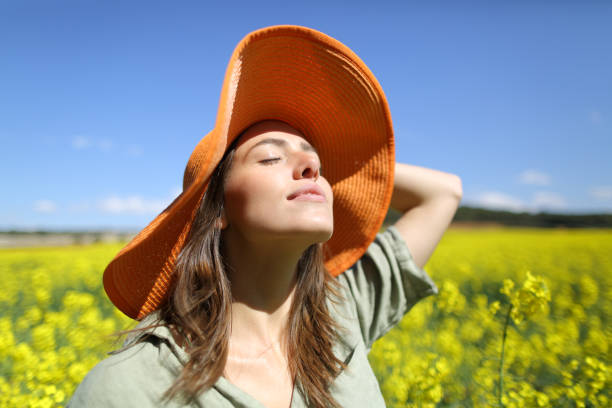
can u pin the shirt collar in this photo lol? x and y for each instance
(342, 349)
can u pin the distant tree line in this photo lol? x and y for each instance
(524, 219)
(463, 214)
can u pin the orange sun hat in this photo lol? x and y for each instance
(320, 87)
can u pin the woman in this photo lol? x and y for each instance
(265, 282)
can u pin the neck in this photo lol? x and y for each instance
(263, 278)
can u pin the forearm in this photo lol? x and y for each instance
(414, 186)
(427, 199)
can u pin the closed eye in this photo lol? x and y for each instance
(270, 161)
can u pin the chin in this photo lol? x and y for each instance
(312, 235)
(323, 237)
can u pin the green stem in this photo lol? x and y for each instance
(501, 363)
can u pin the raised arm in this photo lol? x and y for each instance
(428, 200)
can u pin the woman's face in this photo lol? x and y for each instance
(274, 188)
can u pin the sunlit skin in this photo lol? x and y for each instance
(272, 161)
(266, 228)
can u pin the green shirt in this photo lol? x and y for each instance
(379, 289)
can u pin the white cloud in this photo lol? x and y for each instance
(495, 200)
(128, 204)
(601, 192)
(595, 117)
(45, 206)
(534, 177)
(132, 205)
(540, 201)
(547, 200)
(80, 142)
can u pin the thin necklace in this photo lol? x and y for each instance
(257, 357)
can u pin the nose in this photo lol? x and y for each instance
(307, 167)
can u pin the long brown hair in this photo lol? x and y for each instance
(199, 307)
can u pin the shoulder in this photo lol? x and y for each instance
(386, 254)
(137, 375)
(386, 263)
(386, 251)
(388, 247)
(382, 286)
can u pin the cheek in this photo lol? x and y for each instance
(328, 192)
(250, 196)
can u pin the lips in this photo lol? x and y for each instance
(311, 192)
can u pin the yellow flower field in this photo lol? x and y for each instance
(553, 288)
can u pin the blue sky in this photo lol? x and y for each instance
(103, 101)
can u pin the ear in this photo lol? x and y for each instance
(222, 221)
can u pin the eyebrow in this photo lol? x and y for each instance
(282, 143)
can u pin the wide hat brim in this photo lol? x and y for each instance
(320, 87)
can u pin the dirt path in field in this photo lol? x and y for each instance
(19, 240)
(50, 239)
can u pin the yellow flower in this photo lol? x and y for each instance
(531, 298)
(43, 337)
(542, 399)
(494, 307)
(589, 290)
(444, 352)
(7, 339)
(508, 287)
(450, 298)
(43, 296)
